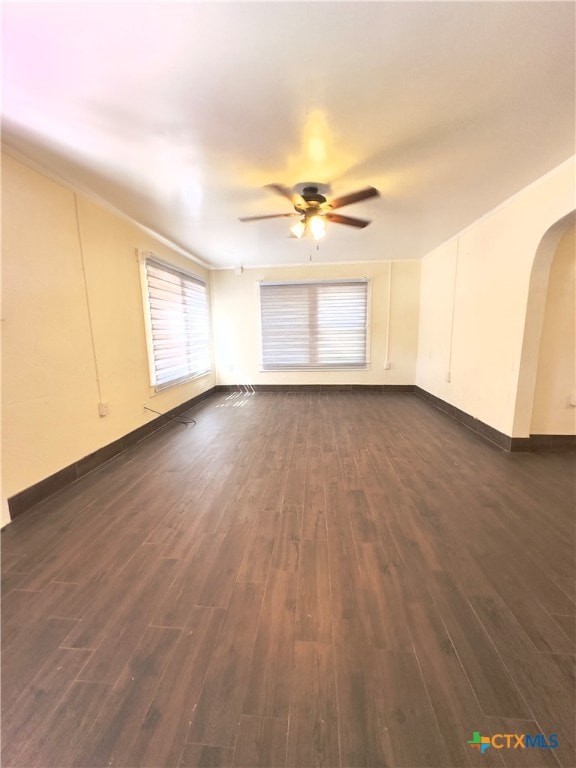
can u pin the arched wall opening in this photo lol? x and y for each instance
(552, 411)
(532, 366)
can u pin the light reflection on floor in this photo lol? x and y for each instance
(238, 399)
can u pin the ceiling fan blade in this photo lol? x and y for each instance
(283, 191)
(271, 216)
(280, 189)
(354, 197)
(351, 222)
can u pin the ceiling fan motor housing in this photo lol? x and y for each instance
(312, 198)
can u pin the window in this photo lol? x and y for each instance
(178, 324)
(314, 325)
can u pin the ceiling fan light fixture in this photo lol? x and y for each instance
(317, 227)
(298, 228)
(313, 209)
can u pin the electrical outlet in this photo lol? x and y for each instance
(387, 366)
(102, 409)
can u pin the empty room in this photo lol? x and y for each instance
(288, 392)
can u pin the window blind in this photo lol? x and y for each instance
(314, 325)
(179, 325)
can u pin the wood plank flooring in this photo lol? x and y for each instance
(303, 579)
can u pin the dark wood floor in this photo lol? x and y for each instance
(302, 579)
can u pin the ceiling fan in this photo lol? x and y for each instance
(313, 209)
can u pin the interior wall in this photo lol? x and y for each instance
(4, 513)
(556, 373)
(235, 312)
(73, 327)
(473, 304)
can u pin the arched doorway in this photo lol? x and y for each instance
(535, 315)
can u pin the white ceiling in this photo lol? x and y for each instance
(178, 113)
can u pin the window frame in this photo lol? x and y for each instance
(270, 368)
(144, 258)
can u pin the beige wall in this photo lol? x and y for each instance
(73, 328)
(556, 374)
(235, 312)
(4, 513)
(473, 304)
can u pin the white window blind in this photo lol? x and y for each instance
(314, 325)
(179, 325)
